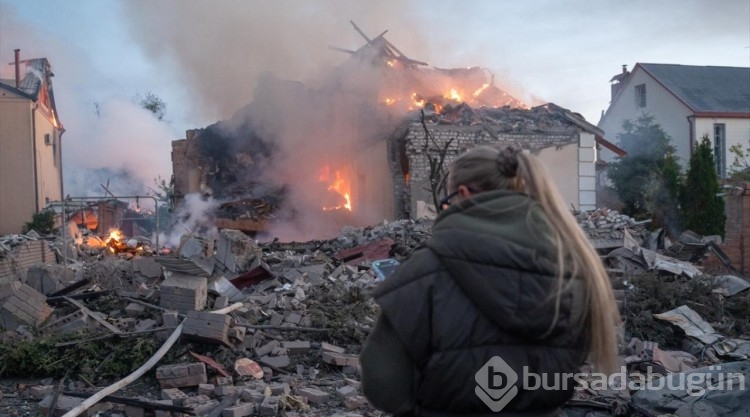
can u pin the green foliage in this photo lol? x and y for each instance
(94, 360)
(651, 293)
(740, 169)
(648, 180)
(42, 222)
(154, 104)
(702, 204)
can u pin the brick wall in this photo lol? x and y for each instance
(463, 138)
(13, 266)
(737, 240)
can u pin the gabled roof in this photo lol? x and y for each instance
(706, 90)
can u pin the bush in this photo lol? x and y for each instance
(42, 222)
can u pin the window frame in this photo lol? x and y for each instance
(720, 149)
(640, 96)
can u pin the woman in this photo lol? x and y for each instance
(507, 273)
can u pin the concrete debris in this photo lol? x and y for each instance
(608, 229)
(301, 311)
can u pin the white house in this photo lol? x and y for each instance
(688, 102)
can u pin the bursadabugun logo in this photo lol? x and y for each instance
(496, 383)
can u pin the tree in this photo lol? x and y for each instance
(436, 156)
(740, 169)
(648, 179)
(702, 203)
(667, 210)
(164, 193)
(154, 104)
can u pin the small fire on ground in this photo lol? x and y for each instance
(113, 243)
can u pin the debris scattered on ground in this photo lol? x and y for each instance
(275, 328)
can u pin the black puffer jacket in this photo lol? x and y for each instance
(482, 286)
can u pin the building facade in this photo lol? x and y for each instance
(30, 145)
(688, 102)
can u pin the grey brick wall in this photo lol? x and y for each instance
(461, 138)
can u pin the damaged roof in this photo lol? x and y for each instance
(31, 83)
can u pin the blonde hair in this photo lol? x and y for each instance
(486, 168)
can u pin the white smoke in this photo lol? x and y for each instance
(124, 146)
(193, 218)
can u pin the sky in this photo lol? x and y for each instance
(203, 58)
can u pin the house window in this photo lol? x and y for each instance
(47, 139)
(720, 149)
(640, 95)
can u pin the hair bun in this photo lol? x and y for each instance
(507, 160)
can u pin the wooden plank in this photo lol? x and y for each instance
(23, 306)
(89, 313)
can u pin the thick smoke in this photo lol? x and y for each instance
(234, 53)
(218, 49)
(108, 138)
(125, 148)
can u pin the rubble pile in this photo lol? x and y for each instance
(275, 328)
(300, 312)
(249, 208)
(544, 118)
(607, 228)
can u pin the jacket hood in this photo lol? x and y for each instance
(498, 248)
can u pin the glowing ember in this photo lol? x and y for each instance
(480, 90)
(389, 101)
(454, 95)
(337, 184)
(115, 235)
(416, 100)
(114, 243)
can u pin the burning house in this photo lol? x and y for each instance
(370, 144)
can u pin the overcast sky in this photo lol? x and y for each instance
(202, 58)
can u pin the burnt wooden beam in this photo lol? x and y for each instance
(112, 335)
(81, 296)
(360, 31)
(70, 288)
(401, 55)
(336, 48)
(91, 314)
(135, 402)
(410, 61)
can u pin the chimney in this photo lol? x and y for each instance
(617, 82)
(18, 70)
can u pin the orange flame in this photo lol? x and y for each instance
(417, 101)
(338, 184)
(454, 95)
(115, 234)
